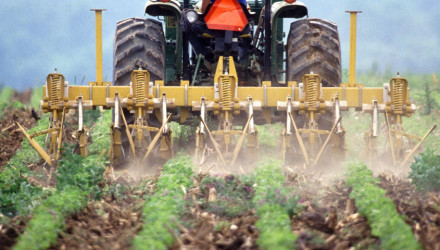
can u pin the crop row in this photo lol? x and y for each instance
(5, 96)
(384, 220)
(17, 195)
(275, 204)
(77, 182)
(162, 210)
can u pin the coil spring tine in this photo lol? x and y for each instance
(55, 90)
(398, 95)
(140, 87)
(227, 94)
(311, 88)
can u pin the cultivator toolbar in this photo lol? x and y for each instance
(305, 102)
(312, 115)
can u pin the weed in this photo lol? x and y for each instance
(233, 198)
(181, 133)
(425, 171)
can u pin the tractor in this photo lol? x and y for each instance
(251, 34)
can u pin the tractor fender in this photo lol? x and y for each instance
(159, 8)
(283, 9)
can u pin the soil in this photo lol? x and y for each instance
(10, 231)
(10, 134)
(328, 219)
(421, 211)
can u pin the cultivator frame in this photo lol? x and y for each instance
(226, 99)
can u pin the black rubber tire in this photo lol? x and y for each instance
(313, 46)
(139, 42)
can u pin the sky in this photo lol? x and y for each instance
(39, 36)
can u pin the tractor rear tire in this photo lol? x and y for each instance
(139, 43)
(313, 46)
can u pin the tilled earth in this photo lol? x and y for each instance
(328, 219)
(10, 135)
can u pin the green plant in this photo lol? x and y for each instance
(83, 173)
(36, 97)
(90, 116)
(274, 203)
(268, 134)
(48, 219)
(5, 96)
(221, 225)
(77, 181)
(17, 195)
(429, 96)
(181, 133)
(101, 134)
(17, 105)
(425, 171)
(385, 221)
(165, 206)
(234, 196)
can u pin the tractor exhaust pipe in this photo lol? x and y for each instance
(98, 20)
(352, 67)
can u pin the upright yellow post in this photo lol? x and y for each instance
(352, 67)
(98, 18)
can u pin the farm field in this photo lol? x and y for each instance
(88, 203)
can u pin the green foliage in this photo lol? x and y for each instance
(18, 105)
(83, 173)
(274, 225)
(385, 221)
(222, 225)
(90, 116)
(101, 134)
(274, 203)
(5, 96)
(270, 187)
(48, 220)
(77, 180)
(268, 134)
(17, 196)
(234, 197)
(422, 85)
(425, 171)
(36, 97)
(116, 190)
(181, 133)
(165, 206)
(428, 97)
